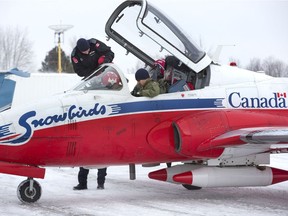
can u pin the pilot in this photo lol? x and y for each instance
(145, 85)
(157, 70)
(165, 76)
(82, 178)
(111, 80)
(165, 82)
(88, 55)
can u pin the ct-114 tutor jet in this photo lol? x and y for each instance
(223, 130)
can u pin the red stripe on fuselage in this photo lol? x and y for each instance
(114, 140)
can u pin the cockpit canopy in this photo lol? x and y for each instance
(147, 33)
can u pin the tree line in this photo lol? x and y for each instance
(16, 51)
(271, 66)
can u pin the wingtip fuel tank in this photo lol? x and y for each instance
(222, 176)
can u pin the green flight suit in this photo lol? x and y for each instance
(150, 89)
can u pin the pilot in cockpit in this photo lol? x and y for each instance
(171, 75)
(145, 85)
(111, 80)
(107, 78)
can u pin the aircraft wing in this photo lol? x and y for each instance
(276, 138)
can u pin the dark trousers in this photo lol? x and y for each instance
(83, 174)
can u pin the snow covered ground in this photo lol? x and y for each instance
(141, 196)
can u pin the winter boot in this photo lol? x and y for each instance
(100, 186)
(80, 187)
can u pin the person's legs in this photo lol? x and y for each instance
(82, 179)
(101, 178)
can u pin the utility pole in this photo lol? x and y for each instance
(58, 31)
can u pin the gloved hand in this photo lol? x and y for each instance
(135, 93)
(101, 60)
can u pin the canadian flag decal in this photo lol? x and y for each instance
(279, 95)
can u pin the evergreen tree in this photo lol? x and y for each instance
(50, 63)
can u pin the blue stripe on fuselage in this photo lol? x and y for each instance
(156, 105)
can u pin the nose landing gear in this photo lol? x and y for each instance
(29, 191)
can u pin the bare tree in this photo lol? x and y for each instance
(285, 73)
(255, 65)
(274, 67)
(270, 66)
(15, 49)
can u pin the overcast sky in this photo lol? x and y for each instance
(256, 28)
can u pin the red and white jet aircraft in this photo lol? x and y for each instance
(223, 131)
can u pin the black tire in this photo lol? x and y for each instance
(27, 196)
(191, 187)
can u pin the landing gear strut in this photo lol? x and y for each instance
(29, 191)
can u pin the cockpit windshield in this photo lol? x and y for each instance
(106, 78)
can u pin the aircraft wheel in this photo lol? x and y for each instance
(191, 187)
(29, 191)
